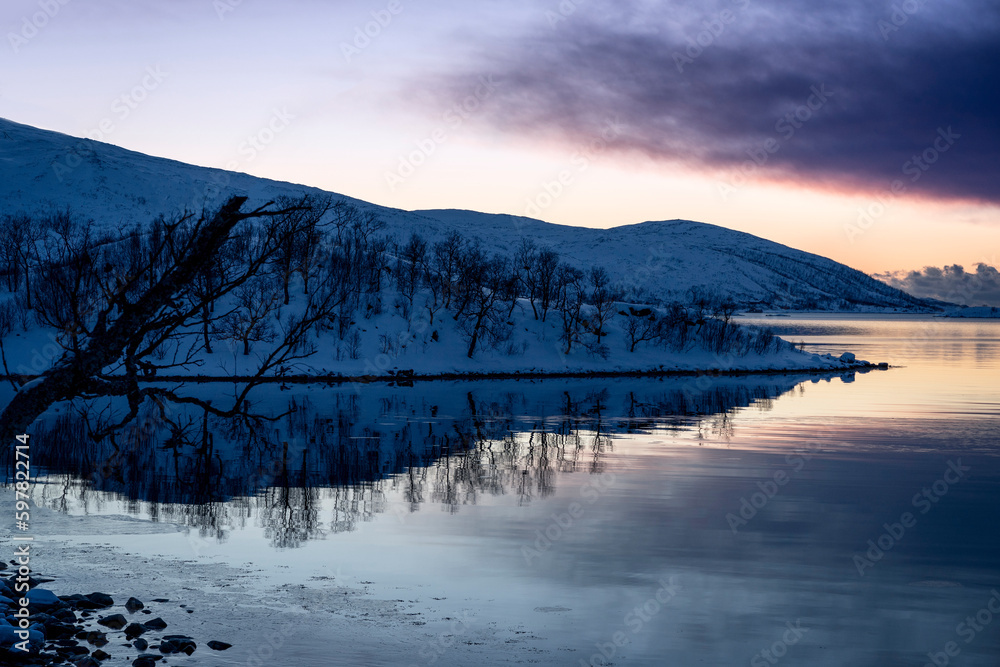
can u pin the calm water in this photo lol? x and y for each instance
(713, 521)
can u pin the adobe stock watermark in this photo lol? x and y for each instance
(121, 109)
(967, 630)
(365, 35)
(899, 14)
(259, 141)
(562, 12)
(633, 623)
(785, 127)
(580, 161)
(451, 120)
(42, 358)
(249, 149)
(446, 639)
(915, 168)
(32, 25)
(273, 640)
(923, 501)
(223, 7)
(768, 490)
(779, 649)
(712, 29)
(562, 521)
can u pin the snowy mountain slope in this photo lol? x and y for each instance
(41, 171)
(667, 258)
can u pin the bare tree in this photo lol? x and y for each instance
(435, 300)
(351, 267)
(13, 236)
(603, 298)
(675, 327)
(6, 326)
(510, 287)
(71, 279)
(298, 235)
(526, 262)
(355, 258)
(445, 263)
(411, 261)
(250, 321)
(723, 311)
(482, 317)
(546, 270)
(640, 326)
(145, 311)
(570, 294)
(470, 270)
(19, 237)
(215, 270)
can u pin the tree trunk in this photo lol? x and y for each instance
(77, 373)
(475, 335)
(27, 286)
(204, 328)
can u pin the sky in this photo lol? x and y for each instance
(863, 131)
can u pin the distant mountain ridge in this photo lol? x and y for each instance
(42, 171)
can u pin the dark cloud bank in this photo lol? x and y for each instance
(852, 94)
(951, 283)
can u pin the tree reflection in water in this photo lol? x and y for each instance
(318, 459)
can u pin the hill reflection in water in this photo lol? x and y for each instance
(309, 460)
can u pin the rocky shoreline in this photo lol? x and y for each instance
(86, 630)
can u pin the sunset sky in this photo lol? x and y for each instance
(867, 132)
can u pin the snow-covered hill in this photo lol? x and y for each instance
(41, 171)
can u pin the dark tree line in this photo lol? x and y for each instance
(481, 290)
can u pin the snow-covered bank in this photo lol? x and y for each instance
(390, 346)
(319, 292)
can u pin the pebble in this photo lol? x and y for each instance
(177, 644)
(63, 624)
(115, 621)
(133, 630)
(102, 599)
(155, 624)
(96, 637)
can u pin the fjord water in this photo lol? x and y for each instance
(803, 520)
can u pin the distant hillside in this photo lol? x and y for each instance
(43, 171)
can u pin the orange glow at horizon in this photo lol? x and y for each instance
(859, 228)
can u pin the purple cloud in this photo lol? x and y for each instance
(849, 93)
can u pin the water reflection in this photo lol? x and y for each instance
(307, 461)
